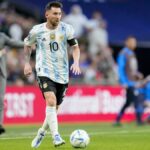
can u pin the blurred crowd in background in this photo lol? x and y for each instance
(97, 63)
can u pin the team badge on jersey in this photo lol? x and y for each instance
(61, 37)
(52, 36)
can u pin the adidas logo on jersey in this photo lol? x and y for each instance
(43, 39)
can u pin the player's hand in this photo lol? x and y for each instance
(139, 76)
(75, 68)
(147, 78)
(2, 52)
(143, 82)
(125, 86)
(27, 69)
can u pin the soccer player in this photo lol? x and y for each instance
(131, 79)
(5, 41)
(51, 38)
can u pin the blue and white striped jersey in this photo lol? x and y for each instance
(51, 50)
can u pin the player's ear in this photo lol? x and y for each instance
(46, 14)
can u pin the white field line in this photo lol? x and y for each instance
(30, 135)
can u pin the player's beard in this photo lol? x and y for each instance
(55, 23)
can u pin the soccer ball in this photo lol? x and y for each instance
(79, 138)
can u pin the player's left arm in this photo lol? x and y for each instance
(2, 52)
(143, 82)
(72, 41)
(76, 56)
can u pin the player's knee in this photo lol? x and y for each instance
(50, 99)
(50, 102)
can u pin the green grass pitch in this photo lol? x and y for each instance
(103, 136)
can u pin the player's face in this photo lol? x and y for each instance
(131, 43)
(53, 16)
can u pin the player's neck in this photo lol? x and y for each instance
(50, 26)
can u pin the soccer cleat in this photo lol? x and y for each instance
(38, 139)
(117, 124)
(58, 140)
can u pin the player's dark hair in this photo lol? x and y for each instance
(56, 4)
(130, 37)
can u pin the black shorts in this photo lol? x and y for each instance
(47, 85)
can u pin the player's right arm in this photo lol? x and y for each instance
(28, 42)
(27, 67)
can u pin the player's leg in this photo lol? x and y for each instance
(42, 81)
(51, 112)
(61, 90)
(48, 88)
(129, 99)
(147, 100)
(139, 107)
(45, 125)
(2, 93)
(51, 116)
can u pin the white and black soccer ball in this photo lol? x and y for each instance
(79, 138)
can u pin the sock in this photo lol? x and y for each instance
(139, 117)
(139, 111)
(119, 117)
(45, 125)
(51, 117)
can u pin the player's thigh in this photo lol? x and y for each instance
(61, 92)
(50, 98)
(139, 100)
(130, 95)
(147, 103)
(48, 88)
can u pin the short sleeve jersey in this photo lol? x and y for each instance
(51, 50)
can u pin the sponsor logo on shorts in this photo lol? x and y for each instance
(45, 85)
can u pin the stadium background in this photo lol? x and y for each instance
(92, 101)
(122, 18)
